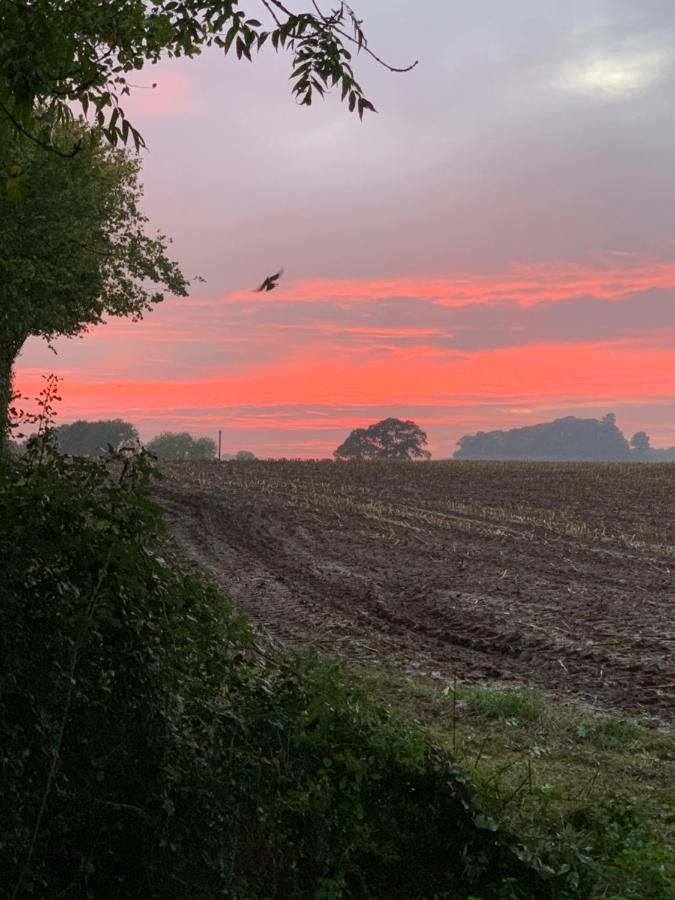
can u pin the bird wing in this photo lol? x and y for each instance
(269, 282)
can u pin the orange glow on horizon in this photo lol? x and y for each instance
(195, 364)
(531, 373)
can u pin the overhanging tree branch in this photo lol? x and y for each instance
(359, 37)
(96, 46)
(31, 137)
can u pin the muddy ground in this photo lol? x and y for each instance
(560, 576)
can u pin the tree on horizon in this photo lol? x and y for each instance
(568, 438)
(389, 439)
(640, 444)
(173, 445)
(84, 438)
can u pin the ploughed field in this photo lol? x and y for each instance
(554, 575)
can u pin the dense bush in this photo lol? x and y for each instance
(87, 606)
(150, 749)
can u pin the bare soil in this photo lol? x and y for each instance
(557, 576)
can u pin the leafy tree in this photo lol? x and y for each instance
(181, 445)
(568, 438)
(388, 439)
(92, 438)
(73, 243)
(245, 454)
(54, 52)
(640, 443)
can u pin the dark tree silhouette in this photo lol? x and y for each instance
(569, 438)
(388, 439)
(91, 438)
(640, 443)
(181, 445)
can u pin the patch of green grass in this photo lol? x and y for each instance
(507, 705)
(593, 793)
(617, 735)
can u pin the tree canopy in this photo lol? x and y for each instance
(181, 445)
(56, 52)
(568, 438)
(640, 442)
(91, 439)
(388, 439)
(74, 245)
(74, 240)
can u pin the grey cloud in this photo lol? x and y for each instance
(473, 161)
(474, 326)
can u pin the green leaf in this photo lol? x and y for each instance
(231, 34)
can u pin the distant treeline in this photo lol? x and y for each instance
(569, 438)
(92, 440)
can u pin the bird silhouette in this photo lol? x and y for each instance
(270, 282)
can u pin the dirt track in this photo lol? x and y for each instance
(556, 575)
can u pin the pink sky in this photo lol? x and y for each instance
(495, 248)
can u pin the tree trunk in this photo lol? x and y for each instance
(9, 350)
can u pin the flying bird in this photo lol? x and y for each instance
(270, 282)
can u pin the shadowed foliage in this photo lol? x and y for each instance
(75, 246)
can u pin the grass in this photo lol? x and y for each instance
(536, 759)
(503, 705)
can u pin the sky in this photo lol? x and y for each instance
(494, 248)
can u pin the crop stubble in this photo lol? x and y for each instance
(559, 576)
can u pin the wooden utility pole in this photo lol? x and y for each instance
(220, 438)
